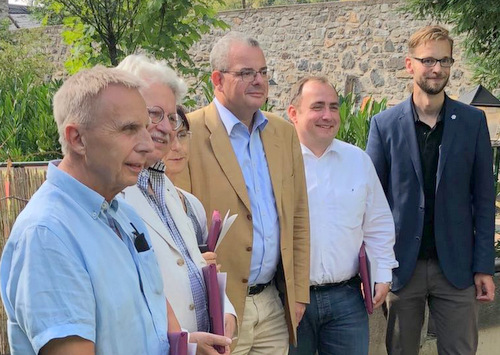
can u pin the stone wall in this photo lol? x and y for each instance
(359, 44)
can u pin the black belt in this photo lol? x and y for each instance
(352, 281)
(256, 289)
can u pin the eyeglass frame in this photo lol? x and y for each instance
(421, 60)
(174, 119)
(266, 74)
(189, 134)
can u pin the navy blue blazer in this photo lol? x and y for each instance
(465, 196)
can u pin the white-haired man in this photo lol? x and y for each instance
(160, 207)
(250, 163)
(78, 275)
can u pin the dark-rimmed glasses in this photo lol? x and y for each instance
(249, 75)
(429, 62)
(156, 115)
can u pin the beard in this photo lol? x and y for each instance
(431, 89)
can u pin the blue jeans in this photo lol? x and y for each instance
(335, 322)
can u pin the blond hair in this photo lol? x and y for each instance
(429, 33)
(78, 98)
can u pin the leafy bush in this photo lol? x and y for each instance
(355, 123)
(28, 131)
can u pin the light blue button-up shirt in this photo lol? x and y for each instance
(66, 272)
(251, 157)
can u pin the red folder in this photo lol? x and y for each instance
(214, 232)
(364, 273)
(214, 303)
(178, 343)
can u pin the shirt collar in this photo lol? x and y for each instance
(91, 201)
(415, 114)
(230, 120)
(334, 147)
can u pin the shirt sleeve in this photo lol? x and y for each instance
(50, 289)
(378, 227)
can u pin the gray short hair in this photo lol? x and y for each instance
(220, 50)
(78, 98)
(155, 71)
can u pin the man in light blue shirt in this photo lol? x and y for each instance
(249, 162)
(78, 274)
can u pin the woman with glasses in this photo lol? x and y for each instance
(175, 162)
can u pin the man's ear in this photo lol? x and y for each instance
(217, 79)
(292, 114)
(408, 65)
(74, 138)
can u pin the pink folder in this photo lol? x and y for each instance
(214, 303)
(364, 273)
(214, 232)
(178, 343)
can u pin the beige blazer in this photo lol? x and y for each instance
(215, 177)
(174, 271)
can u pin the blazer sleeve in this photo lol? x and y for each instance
(375, 149)
(301, 252)
(483, 202)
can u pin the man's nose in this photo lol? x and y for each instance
(145, 144)
(164, 126)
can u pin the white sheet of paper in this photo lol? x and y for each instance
(222, 280)
(192, 348)
(226, 224)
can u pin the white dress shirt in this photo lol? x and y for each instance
(347, 206)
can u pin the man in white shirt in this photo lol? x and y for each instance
(347, 208)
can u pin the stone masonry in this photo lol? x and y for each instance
(361, 44)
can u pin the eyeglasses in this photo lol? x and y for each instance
(429, 62)
(249, 75)
(184, 136)
(156, 115)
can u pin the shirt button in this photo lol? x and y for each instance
(417, 237)
(180, 262)
(245, 281)
(249, 248)
(94, 215)
(191, 307)
(249, 217)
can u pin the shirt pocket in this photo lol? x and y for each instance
(150, 270)
(350, 206)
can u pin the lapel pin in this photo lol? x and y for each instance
(453, 117)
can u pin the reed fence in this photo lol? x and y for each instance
(17, 185)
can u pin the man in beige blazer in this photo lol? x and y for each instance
(250, 163)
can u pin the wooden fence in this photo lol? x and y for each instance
(17, 185)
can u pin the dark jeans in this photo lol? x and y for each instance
(335, 322)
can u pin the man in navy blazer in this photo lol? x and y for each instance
(433, 157)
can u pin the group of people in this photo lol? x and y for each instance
(105, 258)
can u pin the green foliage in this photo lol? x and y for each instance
(497, 249)
(477, 21)
(106, 31)
(23, 52)
(28, 131)
(354, 122)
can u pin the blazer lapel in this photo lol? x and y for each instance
(221, 145)
(451, 119)
(273, 149)
(407, 129)
(134, 196)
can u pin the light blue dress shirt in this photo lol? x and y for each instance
(251, 157)
(65, 271)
